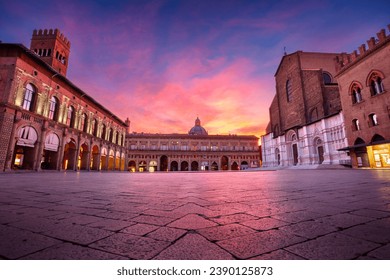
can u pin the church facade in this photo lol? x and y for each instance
(47, 122)
(306, 123)
(195, 151)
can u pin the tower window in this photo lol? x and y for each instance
(355, 125)
(373, 119)
(376, 85)
(356, 94)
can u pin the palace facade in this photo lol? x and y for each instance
(47, 122)
(195, 151)
(364, 82)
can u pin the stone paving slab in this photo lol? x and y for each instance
(333, 246)
(286, 214)
(16, 243)
(68, 251)
(131, 246)
(193, 247)
(249, 246)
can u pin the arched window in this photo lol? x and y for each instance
(356, 94)
(94, 127)
(288, 90)
(70, 117)
(111, 135)
(117, 138)
(355, 125)
(327, 78)
(83, 122)
(376, 85)
(373, 119)
(29, 97)
(103, 132)
(313, 115)
(53, 108)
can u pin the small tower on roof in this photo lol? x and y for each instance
(53, 48)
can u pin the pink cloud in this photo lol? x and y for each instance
(227, 101)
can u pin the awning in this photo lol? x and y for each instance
(354, 147)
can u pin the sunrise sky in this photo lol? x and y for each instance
(163, 63)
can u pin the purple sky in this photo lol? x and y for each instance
(163, 63)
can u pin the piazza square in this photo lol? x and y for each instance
(285, 214)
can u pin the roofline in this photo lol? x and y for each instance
(180, 135)
(82, 93)
(301, 52)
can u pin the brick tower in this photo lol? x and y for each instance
(53, 47)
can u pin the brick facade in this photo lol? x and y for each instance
(367, 71)
(306, 125)
(46, 122)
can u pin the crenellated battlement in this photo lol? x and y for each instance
(50, 33)
(373, 43)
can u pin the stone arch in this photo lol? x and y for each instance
(142, 165)
(103, 158)
(244, 165)
(194, 166)
(235, 166)
(319, 149)
(184, 166)
(69, 157)
(83, 160)
(153, 165)
(25, 148)
(377, 138)
(95, 153)
(50, 151)
(277, 156)
(292, 147)
(117, 160)
(372, 74)
(111, 159)
(132, 166)
(224, 163)
(174, 165)
(361, 152)
(164, 163)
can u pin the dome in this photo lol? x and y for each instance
(197, 129)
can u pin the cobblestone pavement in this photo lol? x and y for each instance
(284, 214)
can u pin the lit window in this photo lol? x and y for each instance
(356, 94)
(53, 108)
(28, 98)
(70, 117)
(355, 125)
(111, 135)
(376, 85)
(84, 123)
(94, 127)
(103, 136)
(373, 119)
